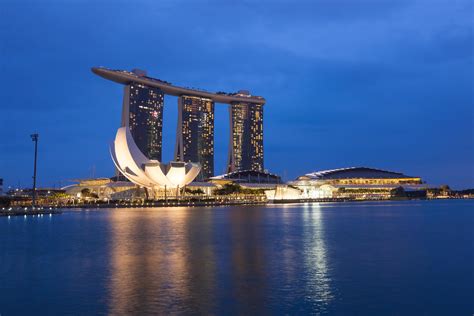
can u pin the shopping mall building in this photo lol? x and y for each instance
(352, 183)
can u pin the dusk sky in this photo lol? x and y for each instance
(383, 84)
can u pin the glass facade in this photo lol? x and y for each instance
(144, 110)
(195, 135)
(246, 128)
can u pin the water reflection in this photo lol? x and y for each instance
(299, 266)
(200, 262)
(247, 273)
(315, 254)
(156, 265)
(340, 259)
(210, 261)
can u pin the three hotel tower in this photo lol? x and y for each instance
(142, 111)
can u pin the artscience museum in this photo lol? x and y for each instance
(148, 173)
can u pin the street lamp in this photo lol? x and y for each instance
(34, 137)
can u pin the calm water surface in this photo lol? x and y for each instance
(379, 258)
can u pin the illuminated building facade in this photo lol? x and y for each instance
(195, 133)
(143, 114)
(355, 183)
(359, 176)
(246, 138)
(149, 173)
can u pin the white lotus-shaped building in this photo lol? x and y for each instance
(147, 173)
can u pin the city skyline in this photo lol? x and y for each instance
(402, 101)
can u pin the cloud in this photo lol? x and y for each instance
(345, 31)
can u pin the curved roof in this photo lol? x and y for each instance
(137, 168)
(353, 172)
(126, 77)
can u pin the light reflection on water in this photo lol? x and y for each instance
(315, 257)
(160, 262)
(327, 258)
(207, 261)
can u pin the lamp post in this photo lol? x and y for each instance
(34, 137)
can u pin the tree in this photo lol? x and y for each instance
(445, 188)
(228, 188)
(86, 193)
(195, 191)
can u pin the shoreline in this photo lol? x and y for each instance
(25, 211)
(57, 209)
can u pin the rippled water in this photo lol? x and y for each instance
(390, 258)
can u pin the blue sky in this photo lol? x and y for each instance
(385, 84)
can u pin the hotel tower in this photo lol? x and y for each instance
(246, 137)
(142, 111)
(195, 133)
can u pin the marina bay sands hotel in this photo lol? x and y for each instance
(142, 112)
